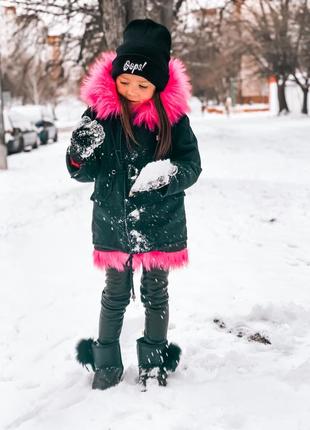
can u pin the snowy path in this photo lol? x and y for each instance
(249, 236)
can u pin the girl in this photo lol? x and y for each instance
(135, 142)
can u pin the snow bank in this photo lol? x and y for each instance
(249, 235)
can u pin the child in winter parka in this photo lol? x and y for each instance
(136, 144)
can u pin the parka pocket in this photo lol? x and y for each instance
(103, 189)
(163, 222)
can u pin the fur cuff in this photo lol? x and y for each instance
(85, 353)
(172, 357)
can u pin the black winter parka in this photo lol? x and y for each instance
(148, 220)
(151, 220)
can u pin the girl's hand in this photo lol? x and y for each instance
(86, 138)
(153, 176)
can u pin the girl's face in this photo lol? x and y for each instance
(134, 88)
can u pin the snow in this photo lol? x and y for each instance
(135, 214)
(33, 113)
(154, 175)
(68, 112)
(138, 241)
(249, 233)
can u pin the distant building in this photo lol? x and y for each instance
(252, 89)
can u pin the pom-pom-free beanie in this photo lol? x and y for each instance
(145, 51)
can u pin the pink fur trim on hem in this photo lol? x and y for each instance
(149, 260)
(98, 90)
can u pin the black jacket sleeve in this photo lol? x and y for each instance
(185, 155)
(85, 171)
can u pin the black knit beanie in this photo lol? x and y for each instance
(145, 51)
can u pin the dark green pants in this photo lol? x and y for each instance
(116, 296)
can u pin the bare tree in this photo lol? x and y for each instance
(30, 72)
(272, 39)
(101, 24)
(302, 73)
(102, 21)
(206, 42)
(162, 11)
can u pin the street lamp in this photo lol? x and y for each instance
(3, 149)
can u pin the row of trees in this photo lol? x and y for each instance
(78, 31)
(273, 35)
(277, 37)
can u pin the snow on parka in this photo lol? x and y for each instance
(150, 226)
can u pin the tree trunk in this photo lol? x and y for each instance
(135, 9)
(305, 92)
(305, 89)
(113, 21)
(281, 97)
(116, 14)
(162, 11)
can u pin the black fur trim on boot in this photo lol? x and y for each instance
(85, 353)
(171, 357)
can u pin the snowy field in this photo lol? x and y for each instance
(249, 243)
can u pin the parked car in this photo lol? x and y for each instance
(20, 134)
(29, 132)
(43, 118)
(13, 137)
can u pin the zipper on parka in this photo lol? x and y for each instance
(129, 260)
(122, 166)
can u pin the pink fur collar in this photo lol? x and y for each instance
(98, 91)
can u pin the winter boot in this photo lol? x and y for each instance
(105, 360)
(156, 360)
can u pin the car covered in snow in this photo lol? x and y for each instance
(19, 133)
(42, 117)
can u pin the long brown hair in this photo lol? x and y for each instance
(164, 127)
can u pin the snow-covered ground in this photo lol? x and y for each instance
(249, 242)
